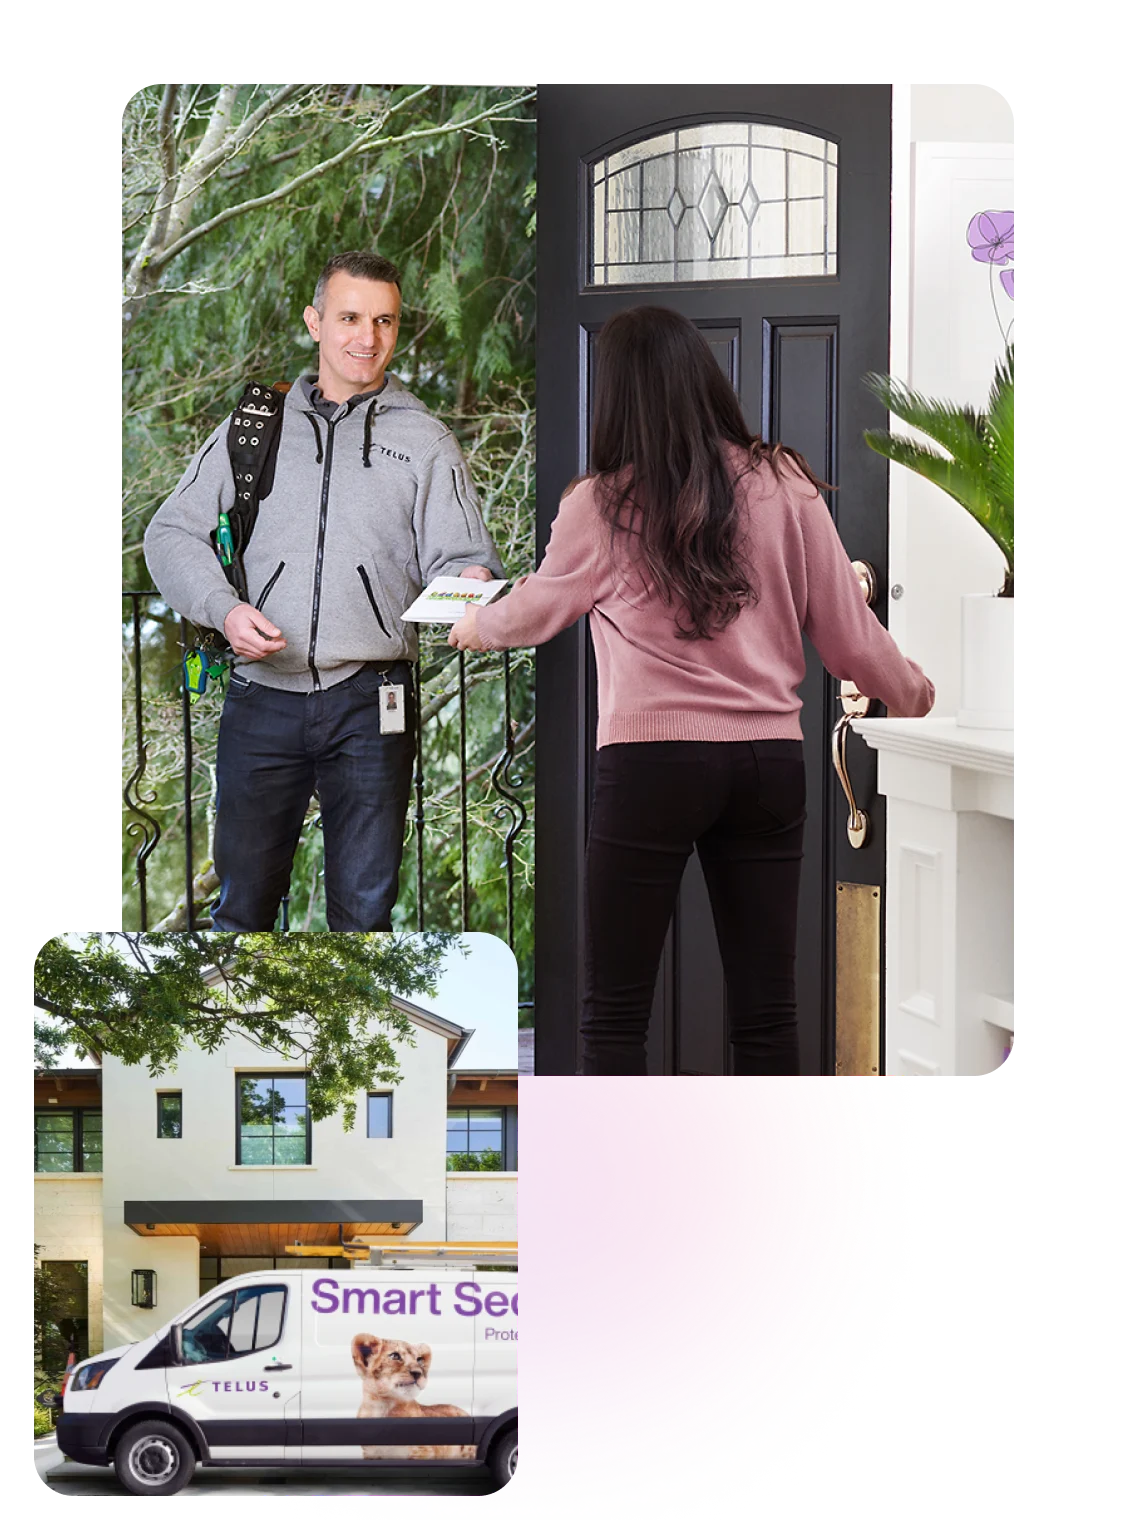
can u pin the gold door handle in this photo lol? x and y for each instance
(855, 706)
(869, 582)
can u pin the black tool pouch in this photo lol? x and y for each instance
(253, 439)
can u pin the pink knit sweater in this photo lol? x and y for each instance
(742, 683)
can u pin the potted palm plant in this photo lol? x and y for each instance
(974, 463)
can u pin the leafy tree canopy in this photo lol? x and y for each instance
(325, 1000)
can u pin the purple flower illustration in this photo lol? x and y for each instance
(991, 237)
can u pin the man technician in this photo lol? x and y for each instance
(369, 501)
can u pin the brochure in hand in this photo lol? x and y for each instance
(444, 600)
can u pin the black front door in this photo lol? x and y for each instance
(762, 212)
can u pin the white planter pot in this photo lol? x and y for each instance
(987, 698)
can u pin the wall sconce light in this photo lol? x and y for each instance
(144, 1288)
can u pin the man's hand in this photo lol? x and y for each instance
(464, 634)
(251, 634)
(476, 573)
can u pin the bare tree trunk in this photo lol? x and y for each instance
(177, 194)
(204, 887)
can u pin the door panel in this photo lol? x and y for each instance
(240, 1378)
(795, 348)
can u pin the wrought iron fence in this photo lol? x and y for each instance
(442, 676)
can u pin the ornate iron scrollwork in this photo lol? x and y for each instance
(143, 825)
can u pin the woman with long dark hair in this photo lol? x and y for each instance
(700, 553)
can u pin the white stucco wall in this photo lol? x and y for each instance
(952, 150)
(69, 1227)
(481, 1205)
(202, 1165)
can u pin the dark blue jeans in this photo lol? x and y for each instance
(742, 806)
(274, 749)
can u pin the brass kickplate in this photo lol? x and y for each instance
(857, 980)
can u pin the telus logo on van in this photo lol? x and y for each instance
(467, 1299)
(189, 1390)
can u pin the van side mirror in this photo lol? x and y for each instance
(175, 1344)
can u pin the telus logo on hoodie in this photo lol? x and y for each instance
(377, 448)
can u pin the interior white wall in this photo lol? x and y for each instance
(960, 113)
(952, 149)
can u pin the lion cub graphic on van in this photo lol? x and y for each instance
(394, 1373)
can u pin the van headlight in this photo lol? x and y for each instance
(90, 1376)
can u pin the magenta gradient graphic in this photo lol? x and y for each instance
(701, 1262)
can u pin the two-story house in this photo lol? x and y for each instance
(150, 1189)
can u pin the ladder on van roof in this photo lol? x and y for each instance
(479, 1253)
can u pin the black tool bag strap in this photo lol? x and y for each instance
(253, 439)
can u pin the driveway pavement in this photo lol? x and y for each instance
(46, 1455)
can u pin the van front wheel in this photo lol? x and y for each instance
(503, 1461)
(154, 1458)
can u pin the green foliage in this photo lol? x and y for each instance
(441, 180)
(324, 1000)
(474, 1161)
(54, 1312)
(974, 462)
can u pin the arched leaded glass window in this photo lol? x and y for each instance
(717, 201)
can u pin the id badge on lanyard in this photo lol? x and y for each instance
(392, 708)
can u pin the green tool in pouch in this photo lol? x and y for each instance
(253, 437)
(197, 666)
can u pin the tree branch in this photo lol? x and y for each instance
(186, 114)
(366, 140)
(443, 698)
(167, 157)
(455, 786)
(68, 1016)
(234, 141)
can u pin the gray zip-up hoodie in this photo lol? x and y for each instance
(365, 509)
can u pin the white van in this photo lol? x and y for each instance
(353, 1368)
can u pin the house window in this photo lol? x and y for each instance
(273, 1123)
(475, 1140)
(208, 1271)
(69, 1140)
(380, 1116)
(169, 1116)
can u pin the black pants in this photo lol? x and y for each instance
(743, 806)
